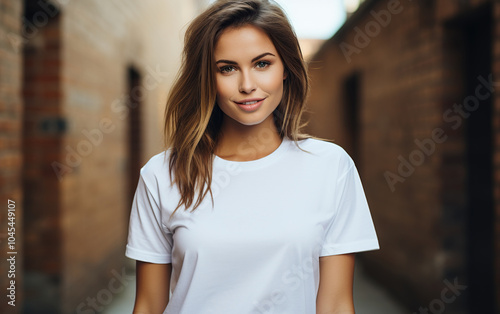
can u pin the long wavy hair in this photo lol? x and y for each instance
(192, 117)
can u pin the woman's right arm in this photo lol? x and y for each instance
(152, 287)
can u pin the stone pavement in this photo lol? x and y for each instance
(371, 298)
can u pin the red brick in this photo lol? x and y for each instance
(405, 89)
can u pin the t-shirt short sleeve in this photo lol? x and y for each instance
(148, 239)
(351, 228)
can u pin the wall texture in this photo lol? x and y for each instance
(386, 87)
(10, 152)
(82, 91)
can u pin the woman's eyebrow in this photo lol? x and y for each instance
(256, 58)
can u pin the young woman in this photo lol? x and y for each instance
(242, 213)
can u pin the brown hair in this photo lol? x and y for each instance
(192, 119)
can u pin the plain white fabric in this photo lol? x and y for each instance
(257, 250)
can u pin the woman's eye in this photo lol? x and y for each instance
(262, 64)
(226, 69)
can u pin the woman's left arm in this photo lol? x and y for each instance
(336, 274)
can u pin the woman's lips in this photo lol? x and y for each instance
(250, 105)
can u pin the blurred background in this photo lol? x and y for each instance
(407, 87)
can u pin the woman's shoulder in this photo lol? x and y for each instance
(327, 151)
(322, 146)
(157, 167)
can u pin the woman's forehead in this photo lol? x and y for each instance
(243, 42)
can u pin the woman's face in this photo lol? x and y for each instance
(250, 75)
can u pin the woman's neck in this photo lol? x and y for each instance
(238, 142)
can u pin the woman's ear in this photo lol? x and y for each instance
(285, 74)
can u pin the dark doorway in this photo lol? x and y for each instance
(134, 135)
(479, 142)
(351, 98)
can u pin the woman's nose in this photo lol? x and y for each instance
(247, 83)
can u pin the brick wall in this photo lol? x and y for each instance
(393, 70)
(65, 89)
(42, 136)
(11, 118)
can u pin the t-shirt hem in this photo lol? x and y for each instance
(361, 246)
(147, 256)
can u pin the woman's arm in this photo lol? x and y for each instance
(152, 287)
(336, 275)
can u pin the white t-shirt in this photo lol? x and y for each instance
(257, 250)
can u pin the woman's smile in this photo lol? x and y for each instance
(250, 105)
(250, 75)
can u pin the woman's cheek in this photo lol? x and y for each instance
(272, 81)
(223, 88)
